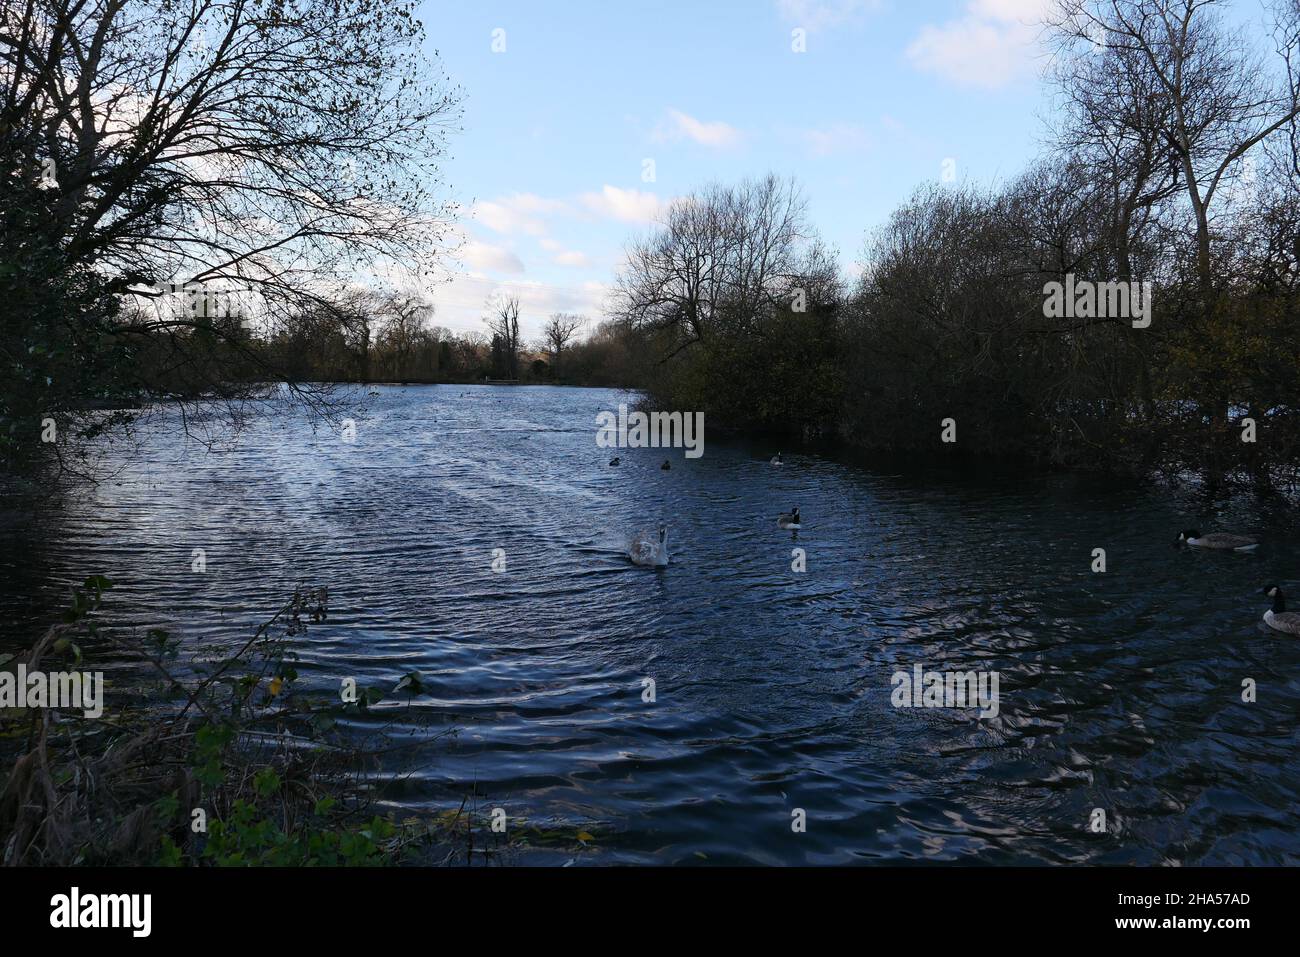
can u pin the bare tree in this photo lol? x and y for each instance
(1110, 131)
(503, 323)
(559, 330)
(1191, 96)
(271, 148)
(721, 259)
(405, 322)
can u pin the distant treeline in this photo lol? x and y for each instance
(393, 338)
(1014, 321)
(1175, 172)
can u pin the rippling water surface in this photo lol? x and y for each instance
(1119, 691)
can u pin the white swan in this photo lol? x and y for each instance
(644, 551)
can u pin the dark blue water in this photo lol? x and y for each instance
(1119, 691)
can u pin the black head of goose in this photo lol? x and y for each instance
(1277, 617)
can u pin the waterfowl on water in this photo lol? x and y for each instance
(1223, 541)
(776, 459)
(789, 519)
(666, 466)
(645, 551)
(615, 460)
(1277, 617)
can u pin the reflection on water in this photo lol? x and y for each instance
(1119, 691)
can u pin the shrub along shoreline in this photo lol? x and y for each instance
(218, 764)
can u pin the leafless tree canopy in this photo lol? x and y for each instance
(1166, 98)
(503, 323)
(269, 144)
(559, 331)
(722, 259)
(269, 150)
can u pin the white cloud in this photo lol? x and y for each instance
(461, 303)
(484, 256)
(716, 133)
(532, 216)
(987, 47)
(520, 213)
(572, 257)
(625, 205)
(1027, 12)
(527, 213)
(815, 15)
(564, 257)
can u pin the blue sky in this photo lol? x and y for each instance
(550, 169)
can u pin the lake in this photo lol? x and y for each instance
(1119, 690)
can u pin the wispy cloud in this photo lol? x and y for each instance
(815, 15)
(529, 218)
(527, 213)
(462, 302)
(572, 257)
(520, 213)
(486, 257)
(624, 205)
(565, 257)
(715, 133)
(989, 46)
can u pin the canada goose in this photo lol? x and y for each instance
(615, 460)
(666, 466)
(1223, 541)
(789, 519)
(1277, 617)
(776, 459)
(644, 551)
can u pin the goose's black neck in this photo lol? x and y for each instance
(1279, 603)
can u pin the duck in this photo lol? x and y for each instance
(615, 460)
(1277, 617)
(666, 466)
(789, 519)
(776, 459)
(650, 553)
(1223, 541)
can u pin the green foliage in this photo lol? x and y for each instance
(250, 838)
(787, 377)
(240, 751)
(58, 355)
